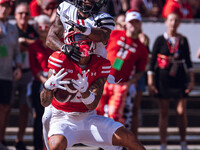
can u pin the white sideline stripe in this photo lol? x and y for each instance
(55, 59)
(105, 71)
(106, 67)
(57, 65)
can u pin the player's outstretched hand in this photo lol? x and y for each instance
(72, 52)
(81, 84)
(55, 80)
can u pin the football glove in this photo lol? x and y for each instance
(55, 81)
(72, 52)
(81, 84)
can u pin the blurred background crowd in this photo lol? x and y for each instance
(33, 19)
(148, 8)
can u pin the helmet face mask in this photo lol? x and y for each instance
(88, 8)
(85, 45)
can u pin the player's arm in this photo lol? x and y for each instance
(46, 96)
(95, 89)
(136, 77)
(97, 34)
(53, 41)
(100, 34)
(54, 82)
(55, 33)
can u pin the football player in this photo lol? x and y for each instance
(76, 121)
(98, 26)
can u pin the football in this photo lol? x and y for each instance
(64, 96)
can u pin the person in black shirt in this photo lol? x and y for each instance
(27, 35)
(171, 66)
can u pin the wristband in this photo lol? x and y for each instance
(89, 100)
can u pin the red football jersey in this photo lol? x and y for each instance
(98, 67)
(126, 55)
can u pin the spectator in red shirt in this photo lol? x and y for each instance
(39, 54)
(182, 7)
(132, 105)
(35, 7)
(47, 7)
(128, 57)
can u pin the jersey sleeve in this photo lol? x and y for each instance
(105, 20)
(187, 53)
(60, 8)
(56, 61)
(104, 67)
(155, 51)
